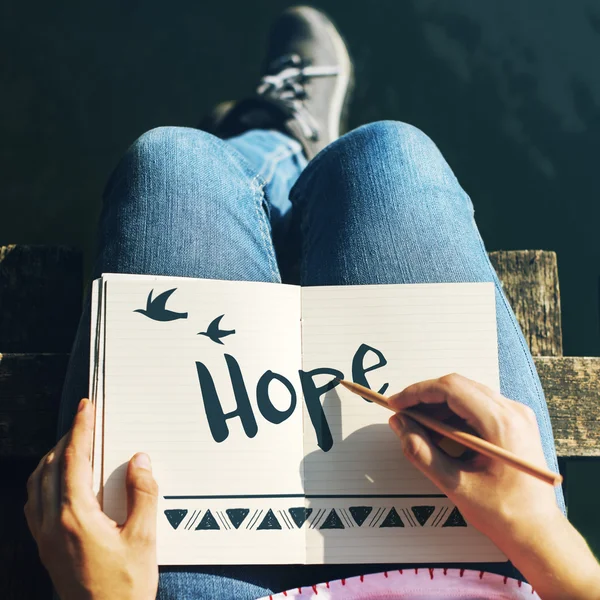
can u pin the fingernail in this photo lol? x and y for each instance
(142, 461)
(82, 404)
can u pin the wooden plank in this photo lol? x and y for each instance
(40, 298)
(572, 388)
(530, 282)
(22, 576)
(30, 389)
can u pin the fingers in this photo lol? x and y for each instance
(33, 506)
(43, 489)
(475, 403)
(76, 481)
(50, 483)
(422, 452)
(142, 500)
(47, 484)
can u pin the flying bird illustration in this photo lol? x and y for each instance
(215, 333)
(156, 310)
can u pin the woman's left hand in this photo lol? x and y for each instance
(86, 553)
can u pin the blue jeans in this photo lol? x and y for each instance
(380, 205)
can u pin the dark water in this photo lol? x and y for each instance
(510, 91)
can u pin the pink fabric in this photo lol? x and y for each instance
(417, 584)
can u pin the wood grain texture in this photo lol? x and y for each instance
(530, 281)
(30, 389)
(40, 298)
(22, 576)
(572, 388)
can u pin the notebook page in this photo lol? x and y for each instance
(223, 482)
(368, 503)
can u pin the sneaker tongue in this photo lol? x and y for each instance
(268, 115)
(260, 113)
(259, 118)
(252, 113)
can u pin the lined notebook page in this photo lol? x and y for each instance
(218, 499)
(368, 503)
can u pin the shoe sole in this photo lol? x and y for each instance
(340, 99)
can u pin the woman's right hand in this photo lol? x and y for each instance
(495, 498)
(516, 511)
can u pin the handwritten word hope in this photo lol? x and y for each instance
(217, 418)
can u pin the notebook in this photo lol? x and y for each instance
(260, 457)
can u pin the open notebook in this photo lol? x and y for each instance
(228, 386)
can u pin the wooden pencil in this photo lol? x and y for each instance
(462, 437)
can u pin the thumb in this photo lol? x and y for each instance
(423, 453)
(142, 499)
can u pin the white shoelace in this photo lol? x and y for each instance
(286, 88)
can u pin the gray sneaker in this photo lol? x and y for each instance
(305, 88)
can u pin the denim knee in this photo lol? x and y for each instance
(162, 142)
(181, 202)
(397, 146)
(401, 138)
(166, 157)
(385, 155)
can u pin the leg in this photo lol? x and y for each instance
(182, 202)
(278, 160)
(381, 205)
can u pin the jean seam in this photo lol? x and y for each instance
(249, 177)
(273, 159)
(257, 184)
(237, 159)
(261, 179)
